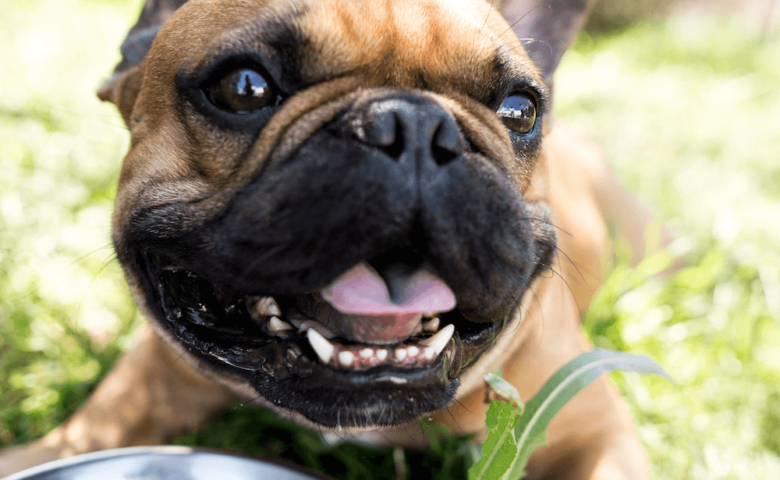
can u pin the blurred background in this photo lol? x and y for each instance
(684, 98)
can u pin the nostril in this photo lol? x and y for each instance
(385, 132)
(447, 145)
(396, 148)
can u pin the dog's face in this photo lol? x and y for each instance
(336, 204)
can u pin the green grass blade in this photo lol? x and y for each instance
(530, 431)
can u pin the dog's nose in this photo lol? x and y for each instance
(399, 127)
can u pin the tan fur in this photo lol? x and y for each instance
(155, 393)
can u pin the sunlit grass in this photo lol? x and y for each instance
(688, 116)
(686, 112)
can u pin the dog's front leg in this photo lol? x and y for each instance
(150, 396)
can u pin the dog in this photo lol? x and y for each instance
(350, 211)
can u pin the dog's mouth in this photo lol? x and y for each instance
(398, 322)
(388, 322)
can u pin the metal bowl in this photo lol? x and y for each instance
(166, 463)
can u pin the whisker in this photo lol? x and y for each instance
(490, 8)
(464, 406)
(520, 19)
(573, 264)
(454, 420)
(181, 355)
(75, 261)
(547, 222)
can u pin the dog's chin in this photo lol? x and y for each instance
(283, 349)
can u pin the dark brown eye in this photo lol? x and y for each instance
(518, 112)
(241, 91)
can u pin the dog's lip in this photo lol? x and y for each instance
(232, 340)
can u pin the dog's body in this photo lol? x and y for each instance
(339, 166)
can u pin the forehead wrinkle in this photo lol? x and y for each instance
(398, 43)
(259, 31)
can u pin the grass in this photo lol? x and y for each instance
(686, 113)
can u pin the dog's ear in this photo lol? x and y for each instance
(546, 28)
(123, 86)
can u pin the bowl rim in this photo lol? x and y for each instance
(168, 450)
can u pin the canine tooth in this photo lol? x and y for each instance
(413, 351)
(322, 347)
(429, 353)
(429, 314)
(312, 325)
(276, 325)
(346, 358)
(400, 354)
(431, 325)
(381, 354)
(440, 340)
(367, 353)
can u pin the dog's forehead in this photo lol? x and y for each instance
(403, 36)
(400, 43)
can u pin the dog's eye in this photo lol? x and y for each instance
(518, 112)
(241, 91)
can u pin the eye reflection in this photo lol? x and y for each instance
(518, 112)
(241, 91)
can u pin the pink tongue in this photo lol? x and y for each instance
(362, 293)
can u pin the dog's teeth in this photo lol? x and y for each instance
(439, 341)
(400, 354)
(346, 358)
(312, 325)
(277, 325)
(367, 353)
(267, 306)
(322, 347)
(295, 317)
(431, 325)
(292, 354)
(429, 353)
(381, 354)
(429, 314)
(412, 351)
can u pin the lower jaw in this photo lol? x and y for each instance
(289, 377)
(334, 398)
(342, 399)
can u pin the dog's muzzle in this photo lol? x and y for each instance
(355, 278)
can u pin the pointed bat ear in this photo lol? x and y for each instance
(123, 86)
(546, 28)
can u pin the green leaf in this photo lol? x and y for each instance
(499, 449)
(530, 432)
(505, 390)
